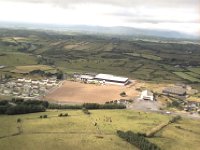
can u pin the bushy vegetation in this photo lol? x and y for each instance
(24, 109)
(138, 140)
(103, 106)
(87, 106)
(86, 111)
(123, 94)
(63, 115)
(20, 106)
(43, 116)
(59, 106)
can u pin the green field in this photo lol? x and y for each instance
(187, 76)
(16, 58)
(77, 131)
(193, 74)
(195, 70)
(29, 68)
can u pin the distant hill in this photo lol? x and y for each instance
(119, 31)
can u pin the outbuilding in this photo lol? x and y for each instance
(174, 91)
(147, 95)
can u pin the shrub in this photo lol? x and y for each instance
(175, 119)
(123, 94)
(60, 115)
(19, 120)
(45, 116)
(65, 115)
(85, 111)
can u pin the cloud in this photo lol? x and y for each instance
(146, 13)
(122, 3)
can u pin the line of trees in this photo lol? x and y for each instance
(87, 106)
(137, 140)
(21, 106)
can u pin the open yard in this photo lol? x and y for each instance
(75, 92)
(77, 131)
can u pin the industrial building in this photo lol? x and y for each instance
(103, 79)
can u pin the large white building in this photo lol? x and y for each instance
(111, 79)
(104, 79)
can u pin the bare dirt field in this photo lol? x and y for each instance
(75, 92)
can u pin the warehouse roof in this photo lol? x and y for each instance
(110, 77)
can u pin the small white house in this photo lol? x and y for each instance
(147, 95)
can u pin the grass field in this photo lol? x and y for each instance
(195, 75)
(16, 58)
(29, 68)
(195, 70)
(187, 76)
(78, 131)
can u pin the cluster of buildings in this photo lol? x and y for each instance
(180, 91)
(26, 88)
(102, 79)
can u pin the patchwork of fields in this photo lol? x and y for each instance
(137, 59)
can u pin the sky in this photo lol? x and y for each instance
(176, 15)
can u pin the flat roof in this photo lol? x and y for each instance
(111, 77)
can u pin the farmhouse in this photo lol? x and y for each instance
(111, 79)
(147, 95)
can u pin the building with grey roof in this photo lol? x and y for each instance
(174, 91)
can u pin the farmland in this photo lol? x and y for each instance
(137, 59)
(27, 69)
(187, 76)
(153, 64)
(78, 131)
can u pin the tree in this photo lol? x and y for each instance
(60, 75)
(123, 94)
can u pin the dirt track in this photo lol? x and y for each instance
(75, 92)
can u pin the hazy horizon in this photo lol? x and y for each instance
(174, 15)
